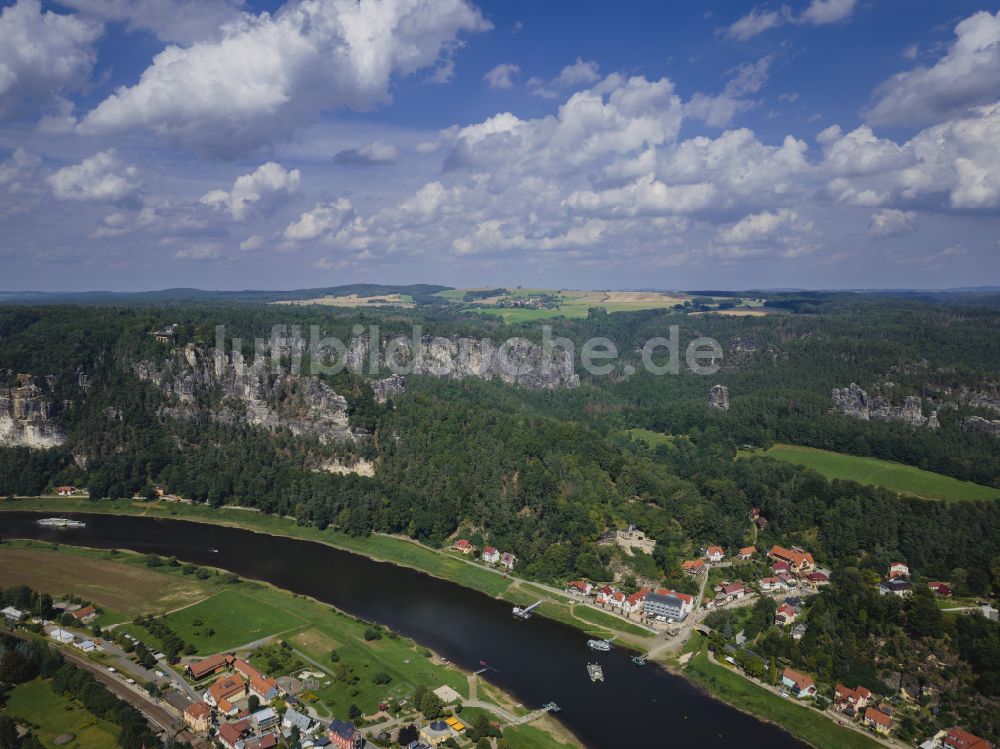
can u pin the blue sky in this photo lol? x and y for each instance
(228, 144)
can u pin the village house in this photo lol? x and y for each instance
(12, 615)
(897, 587)
(785, 615)
(507, 560)
(898, 569)
(770, 583)
(198, 716)
(799, 631)
(264, 687)
(228, 687)
(165, 335)
(61, 635)
(799, 561)
(87, 646)
(617, 600)
(344, 735)
(65, 491)
(209, 666)
(232, 734)
(294, 719)
(462, 545)
(746, 552)
(959, 738)
(265, 719)
(693, 566)
(942, 590)
(800, 685)
(667, 604)
(818, 578)
(714, 553)
(731, 591)
(491, 555)
(633, 604)
(634, 539)
(85, 615)
(879, 721)
(579, 588)
(267, 741)
(855, 699)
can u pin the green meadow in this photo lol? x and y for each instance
(896, 477)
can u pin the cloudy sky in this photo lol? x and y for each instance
(243, 144)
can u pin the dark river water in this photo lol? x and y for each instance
(537, 661)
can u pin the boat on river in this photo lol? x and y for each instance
(595, 671)
(639, 660)
(61, 523)
(525, 613)
(602, 646)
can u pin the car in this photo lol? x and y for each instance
(131, 681)
(112, 669)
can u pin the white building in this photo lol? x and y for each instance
(13, 614)
(61, 635)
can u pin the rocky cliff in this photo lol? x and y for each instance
(718, 397)
(250, 393)
(515, 362)
(27, 416)
(979, 424)
(855, 402)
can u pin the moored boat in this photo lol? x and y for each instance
(595, 671)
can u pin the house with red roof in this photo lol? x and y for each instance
(491, 555)
(898, 569)
(85, 614)
(746, 552)
(785, 614)
(942, 590)
(799, 684)
(959, 738)
(693, 566)
(579, 588)
(508, 560)
(198, 716)
(231, 734)
(633, 604)
(714, 553)
(877, 720)
(229, 687)
(799, 561)
(462, 545)
(853, 699)
(211, 665)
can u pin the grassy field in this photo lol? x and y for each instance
(573, 303)
(651, 438)
(805, 722)
(230, 619)
(53, 715)
(893, 476)
(121, 590)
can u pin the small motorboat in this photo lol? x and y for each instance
(595, 671)
(602, 646)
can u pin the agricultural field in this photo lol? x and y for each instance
(886, 474)
(52, 716)
(123, 589)
(353, 300)
(573, 304)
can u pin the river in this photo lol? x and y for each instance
(537, 661)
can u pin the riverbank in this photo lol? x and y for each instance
(802, 720)
(396, 550)
(402, 553)
(222, 615)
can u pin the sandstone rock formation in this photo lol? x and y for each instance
(389, 388)
(718, 397)
(979, 424)
(855, 402)
(514, 362)
(27, 416)
(251, 393)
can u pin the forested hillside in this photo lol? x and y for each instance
(544, 472)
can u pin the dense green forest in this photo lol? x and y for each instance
(548, 472)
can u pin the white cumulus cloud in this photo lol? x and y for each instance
(271, 73)
(101, 178)
(42, 56)
(891, 221)
(969, 74)
(254, 189)
(501, 77)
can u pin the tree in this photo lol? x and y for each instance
(334, 655)
(408, 734)
(253, 702)
(431, 705)
(354, 712)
